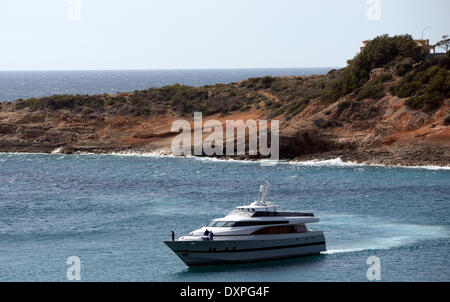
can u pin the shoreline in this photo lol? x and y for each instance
(357, 129)
(313, 162)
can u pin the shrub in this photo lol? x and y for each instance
(443, 61)
(386, 77)
(251, 82)
(404, 66)
(266, 82)
(373, 89)
(342, 106)
(296, 107)
(277, 112)
(429, 101)
(32, 104)
(447, 121)
(268, 103)
(426, 87)
(381, 51)
(323, 124)
(414, 102)
(432, 101)
(406, 89)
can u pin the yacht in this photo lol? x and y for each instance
(254, 232)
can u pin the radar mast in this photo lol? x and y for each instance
(264, 189)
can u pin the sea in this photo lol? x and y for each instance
(113, 211)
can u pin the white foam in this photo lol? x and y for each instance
(369, 233)
(166, 154)
(375, 244)
(230, 160)
(335, 162)
(57, 150)
(338, 162)
(155, 154)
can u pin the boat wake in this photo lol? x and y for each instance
(344, 233)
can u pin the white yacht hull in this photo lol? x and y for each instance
(220, 251)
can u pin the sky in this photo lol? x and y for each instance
(203, 34)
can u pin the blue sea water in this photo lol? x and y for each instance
(25, 84)
(113, 212)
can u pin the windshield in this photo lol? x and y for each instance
(221, 224)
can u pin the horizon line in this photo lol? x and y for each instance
(165, 69)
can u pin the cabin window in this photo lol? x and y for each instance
(223, 224)
(300, 228)
(220, 223)
(254, 223)
(282, 214)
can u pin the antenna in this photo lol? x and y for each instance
(425, 30)
(264, 190)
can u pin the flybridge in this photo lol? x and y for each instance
(263, 212)
(262, 208)
(260, 205)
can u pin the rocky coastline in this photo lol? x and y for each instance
(398, 113)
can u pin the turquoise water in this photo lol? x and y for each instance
(113, 212)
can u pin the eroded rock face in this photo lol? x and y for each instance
(303, 142)
(32, 133)
(7, 129)
(383, 131)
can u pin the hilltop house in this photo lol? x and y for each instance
(423, 43)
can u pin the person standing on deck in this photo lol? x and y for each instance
(211, 235)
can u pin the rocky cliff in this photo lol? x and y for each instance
(389, 105)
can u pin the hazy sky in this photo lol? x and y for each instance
(191, 34)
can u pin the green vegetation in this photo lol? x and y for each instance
(175, 98)
(291, 109)
(324, 124)
(259, 83)
(403, 66)
(427, 85)
(373, 89)
(447, 121)
(386, 64)
(444, 43)
(57, 102)
(380, 52)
